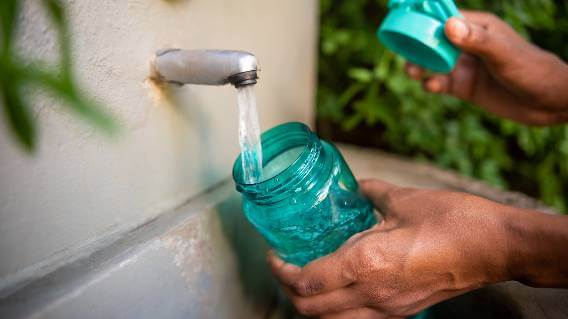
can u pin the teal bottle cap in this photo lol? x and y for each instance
(414, 29)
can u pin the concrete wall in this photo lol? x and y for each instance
(81, 191)
(184, 264)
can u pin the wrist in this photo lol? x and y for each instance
(536, 248)
(489, 250)
(515, 232)
(502, 267)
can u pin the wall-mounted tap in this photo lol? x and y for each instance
(206, 67)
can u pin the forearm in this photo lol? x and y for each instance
(538, 248)
(557, 95)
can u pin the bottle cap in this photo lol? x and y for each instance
(414, 29)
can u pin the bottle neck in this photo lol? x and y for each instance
(303, 173)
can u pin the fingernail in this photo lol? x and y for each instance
(434, 86)
(458, 29)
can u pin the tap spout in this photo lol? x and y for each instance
(206, 67)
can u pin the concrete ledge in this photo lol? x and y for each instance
(371, 163)
(177, 266)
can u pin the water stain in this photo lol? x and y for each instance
(207, 265)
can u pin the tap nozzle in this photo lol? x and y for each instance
(206, 67)
(243, 79)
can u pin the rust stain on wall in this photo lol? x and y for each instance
(158, 88)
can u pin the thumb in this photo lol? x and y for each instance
(478, 40)
(377, 191)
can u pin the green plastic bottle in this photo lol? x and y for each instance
(307, 203)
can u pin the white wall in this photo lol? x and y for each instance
(80, 187)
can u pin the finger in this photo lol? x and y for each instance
(438, 84)
(332, 302)
(360, 313)
(476, 39)
(489, 21)
(414, 71)
(505, 104)
(479, 17)
(377, 191)
(286, 273)
(462, 78)
(324, 275)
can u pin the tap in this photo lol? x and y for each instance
(206, 67)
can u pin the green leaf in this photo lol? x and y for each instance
(56, 11)
(18, 115)
(75, 100)
(360, 74)
(382, 69)
(8, 15)
(348, 95)
(352, 122)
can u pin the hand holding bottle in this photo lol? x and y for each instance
(502, 72)
(431, 245)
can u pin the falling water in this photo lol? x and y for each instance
(249, 135)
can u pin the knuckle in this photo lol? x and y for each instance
(299, 287)
(382, 298)
(364, 262)
(368, 258)
(476, 36)
(308, 287)
(389, 198)
(348, 271)
(395, 196)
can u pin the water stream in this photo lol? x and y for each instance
(249, 135)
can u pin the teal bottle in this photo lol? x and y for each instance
(307, 203)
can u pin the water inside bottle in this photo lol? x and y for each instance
(281, 162)
(249, 135)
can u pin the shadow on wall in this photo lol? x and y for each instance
(196, 117)
(259, 286)
(185, 120)
(250, 249)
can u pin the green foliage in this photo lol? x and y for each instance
(362, 84)
(16, 74)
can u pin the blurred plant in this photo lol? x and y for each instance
(361, 84)
(15, 75)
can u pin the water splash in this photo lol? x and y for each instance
(249, 135)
